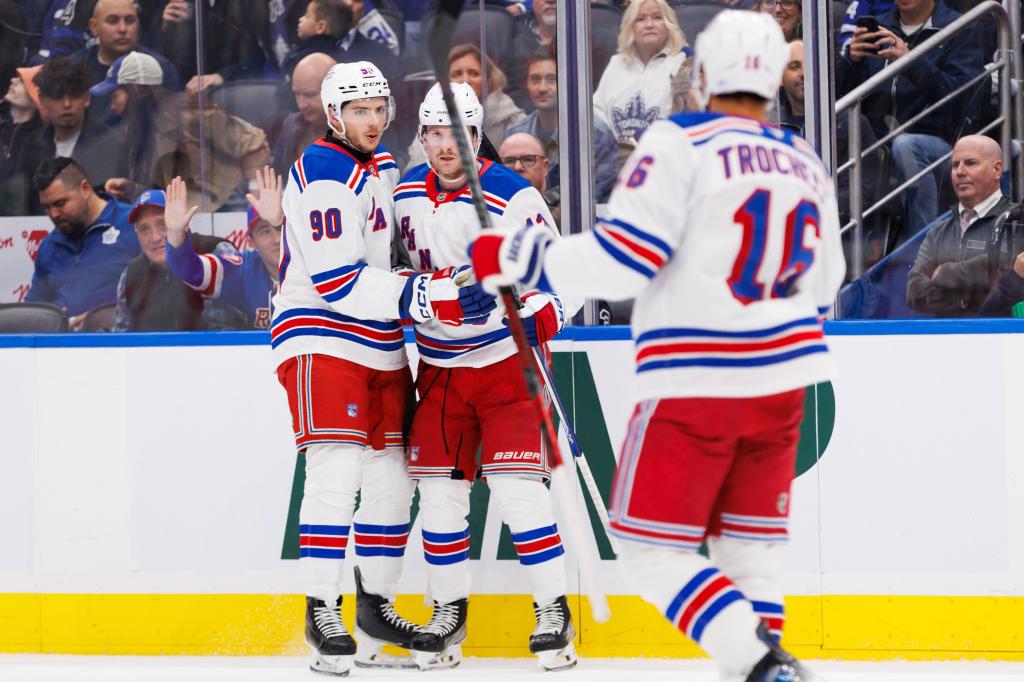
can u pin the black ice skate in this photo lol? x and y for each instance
(377, 624)
(778, 665)
(552, 639)
(437, 644)
(328, 640)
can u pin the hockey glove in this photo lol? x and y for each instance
(543, 317)
(435, 295)
(506, 258)
(476, 303)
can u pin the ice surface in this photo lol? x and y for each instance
(24, 668)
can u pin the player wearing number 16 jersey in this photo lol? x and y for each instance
(725, 229)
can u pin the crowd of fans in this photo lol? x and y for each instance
(120, 95)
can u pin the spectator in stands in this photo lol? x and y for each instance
(79, 262)
(791, 99)
(115, 23)
(533, 30)
(19, 118)
(524, 153)
(324, 24)
(59, 37)
(302, 127)
(789, 14)
(1008, 292)
(245, 283)
(500, 112)
(163, 133)
(64, 96)
(149, 298)
(636, 88)
(943, 69)
(373, 24)
(543, 124)
(951, 275)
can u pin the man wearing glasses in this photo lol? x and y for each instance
(523, 153)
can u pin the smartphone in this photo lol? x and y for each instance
(868, 22)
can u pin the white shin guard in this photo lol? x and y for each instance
(381, 523)
(754, 567)
(698, 599)
(333, 475)
(525, 506)
(444, 506)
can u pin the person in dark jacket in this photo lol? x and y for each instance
(149, 297)
(953, 273)
(64, 99)
(937, 74)
(19, 119)
(79, 262)
(302, 127)
(324, 23)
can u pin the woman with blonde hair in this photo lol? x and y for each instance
(645, 75)
(500, 112)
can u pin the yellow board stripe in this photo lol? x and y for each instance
(851, 627)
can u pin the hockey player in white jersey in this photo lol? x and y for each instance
(725, 229)
(341, 358)
(472, 395)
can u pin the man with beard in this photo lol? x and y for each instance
(79, 263)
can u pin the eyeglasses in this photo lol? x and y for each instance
(528, 160)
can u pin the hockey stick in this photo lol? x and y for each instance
(577, 451)
(440, 42)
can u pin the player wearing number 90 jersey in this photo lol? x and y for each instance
(726, 231)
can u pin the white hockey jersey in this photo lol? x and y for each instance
(337, 293)
(727, 233)
(437, 228)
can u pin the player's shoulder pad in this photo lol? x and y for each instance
(412, 184)
(323, 161)
(384, 159)
(689, 119)
(502, 181)
(415, 174)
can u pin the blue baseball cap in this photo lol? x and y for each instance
(134, 68)
(251, 218)
(151, 197)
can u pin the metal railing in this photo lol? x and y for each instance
(1009, 117)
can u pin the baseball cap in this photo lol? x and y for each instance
(251, 218)
(151, 197)
(134, 68)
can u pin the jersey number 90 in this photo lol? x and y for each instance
(753, 216)
(325, 224)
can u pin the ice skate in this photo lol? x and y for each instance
(331, 645)
(377, 624)
(552, 639)
(778, 665)
(437, 644)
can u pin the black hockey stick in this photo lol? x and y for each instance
(439, 43)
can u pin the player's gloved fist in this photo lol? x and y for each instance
(435, 296)
(543, 317)
(476, 303)
(505, 258)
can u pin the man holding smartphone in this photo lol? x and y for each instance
(878, 41)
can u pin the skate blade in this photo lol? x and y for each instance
(558, 659)
(445, 660)
(370, 654)
(338, 666)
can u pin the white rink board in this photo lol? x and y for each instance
(167, 470)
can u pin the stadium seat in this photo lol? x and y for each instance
(694, 16)
(100, 319)
(498, 28)
(32, 318)
(605, 20)
(252, 100)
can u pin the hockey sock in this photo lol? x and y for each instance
(754, 567)
(381, 523)
(332, 480)
(699, 600)
(525, 505)
(444, 506)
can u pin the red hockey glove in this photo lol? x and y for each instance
(543, 317)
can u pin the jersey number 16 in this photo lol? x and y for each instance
(753, 216)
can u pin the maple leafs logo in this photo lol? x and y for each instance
(629, 123)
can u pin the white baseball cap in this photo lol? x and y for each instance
(134, 68)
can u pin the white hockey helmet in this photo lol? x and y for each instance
(433, 112)
(739, 51)
(347, 82)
